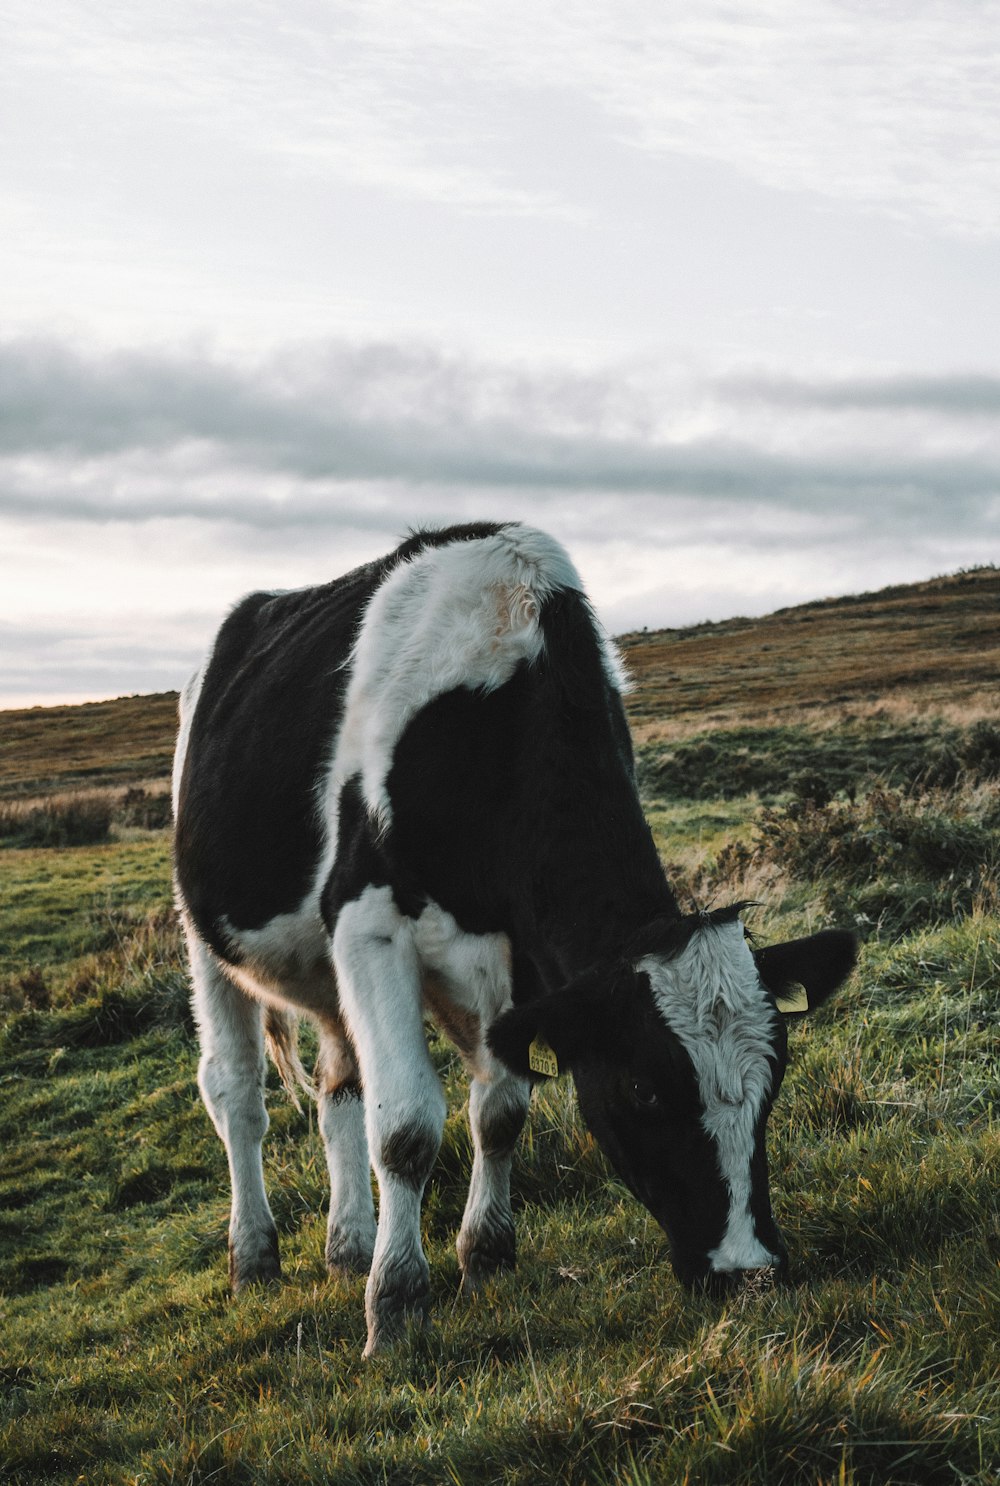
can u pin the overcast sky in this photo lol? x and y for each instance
(711, 291)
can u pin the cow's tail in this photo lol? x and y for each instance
(281, 1037)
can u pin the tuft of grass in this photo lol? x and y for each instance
(812, 764)
(83, 818)
(69, 820)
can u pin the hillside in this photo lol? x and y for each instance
(925, 648)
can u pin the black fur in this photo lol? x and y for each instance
(517, 809)
(819, 963)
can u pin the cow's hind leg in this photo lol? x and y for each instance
(231, 1079)
(497, 1109)
(350, 1234)
(378, 977)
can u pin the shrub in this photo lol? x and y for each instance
(894, 858)
(774, 762)
(973, 756)
(82, 819)
(63, 820)
(138, 807)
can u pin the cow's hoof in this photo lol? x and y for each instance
(388, 1334)
(484, 1255)
(348, 1255)
(392, 1316)
(257, 1266)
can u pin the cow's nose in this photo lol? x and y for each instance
(727, 1283)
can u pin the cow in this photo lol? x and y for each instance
(411, 791)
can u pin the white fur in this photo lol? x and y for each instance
(350, 1237)
(231, 1080)
(185, 707)
(464, 614)
(712, 999)
(286, 960)
(378, 974)
(474, 972)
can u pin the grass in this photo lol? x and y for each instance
(51, 749)
(123, 1359)
(928, 649)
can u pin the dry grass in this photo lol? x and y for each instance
(931, 650)
(85, 816)
(45, 750)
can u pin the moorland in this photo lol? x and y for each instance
(835, 763)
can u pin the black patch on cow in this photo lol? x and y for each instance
(408, 1153)
(500, 1128)
(820, 963)
(361, 860)
(516, 809)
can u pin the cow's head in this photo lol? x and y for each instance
(677, 1056)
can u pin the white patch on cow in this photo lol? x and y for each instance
(351, 1229)
(467, 985)
(231, 1081)
(711, 998)
(615, 666)
(473, 971)
(288, 960)
(378, 976)
(185, 708)
(464, 614)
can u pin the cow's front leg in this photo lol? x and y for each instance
(379, 981)
(350, 1233)
(497, 1108)
(231, 1081)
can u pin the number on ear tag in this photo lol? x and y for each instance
(796, 1000)
(541, 1058)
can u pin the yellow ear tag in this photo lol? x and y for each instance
(541, 1058)
(796, 1000)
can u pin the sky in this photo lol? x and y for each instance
(710, 291)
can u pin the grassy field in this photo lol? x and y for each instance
(123, 1358)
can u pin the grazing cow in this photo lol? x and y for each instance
(411, 790)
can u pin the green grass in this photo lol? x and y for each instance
(774, 762)
(58, 905)
(124, 1360)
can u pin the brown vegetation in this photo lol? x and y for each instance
(927, 648)
(49, 749)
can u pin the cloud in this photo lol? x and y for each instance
(298, 441)
(136, 487)
(894, 107)
(97, 657)
(959, 396)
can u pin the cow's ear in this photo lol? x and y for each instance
(804, 973)
(545, 1037)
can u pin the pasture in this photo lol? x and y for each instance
(839, 763)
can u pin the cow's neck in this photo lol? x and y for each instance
(597, 882)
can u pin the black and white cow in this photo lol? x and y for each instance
(411, 790)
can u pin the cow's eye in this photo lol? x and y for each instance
(645, 1095)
